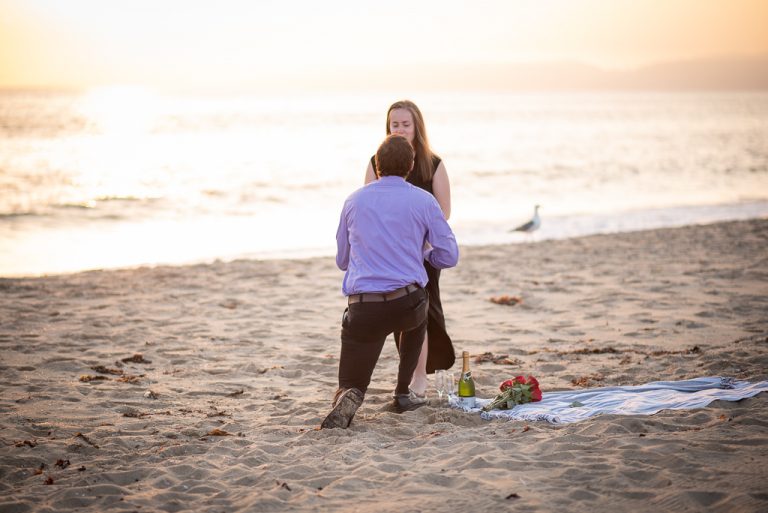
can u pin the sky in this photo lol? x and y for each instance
(177, 44)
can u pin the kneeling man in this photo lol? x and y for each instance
(381, 241)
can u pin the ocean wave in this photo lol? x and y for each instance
(128, 199)
(20, 215)
(77, 213)
(101, 207)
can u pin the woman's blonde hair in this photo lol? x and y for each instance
(423, 161)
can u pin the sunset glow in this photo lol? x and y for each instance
(308, 45)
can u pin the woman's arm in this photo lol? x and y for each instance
(441, 188)
(370, 174)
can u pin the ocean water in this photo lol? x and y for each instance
(124, 177)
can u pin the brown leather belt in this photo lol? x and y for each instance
(380, 297)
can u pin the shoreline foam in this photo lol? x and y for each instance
(97, 248)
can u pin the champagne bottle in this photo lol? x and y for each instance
(466, 383)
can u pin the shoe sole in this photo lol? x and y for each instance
(342, 414)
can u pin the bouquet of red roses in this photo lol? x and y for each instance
(515, 391)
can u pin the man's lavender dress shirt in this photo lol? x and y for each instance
(382, 233)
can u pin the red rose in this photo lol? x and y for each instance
(507, 384)
(519, 390)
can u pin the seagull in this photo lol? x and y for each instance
(532, 225)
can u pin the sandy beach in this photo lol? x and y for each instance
(200, 388)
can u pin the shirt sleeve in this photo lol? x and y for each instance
(342, 241)
(445, 251)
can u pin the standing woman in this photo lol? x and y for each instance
(404, 118)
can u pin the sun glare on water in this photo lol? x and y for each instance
(122, 111)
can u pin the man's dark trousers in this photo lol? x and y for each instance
(364, 328)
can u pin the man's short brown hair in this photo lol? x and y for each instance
(394, 157)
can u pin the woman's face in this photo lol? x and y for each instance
(401, 123)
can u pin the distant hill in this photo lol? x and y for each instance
(728, 73)
(722, 73)
(711, 74)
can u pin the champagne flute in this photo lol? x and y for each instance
(450, 384)
(441, 384)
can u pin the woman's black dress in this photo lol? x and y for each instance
(440, 353)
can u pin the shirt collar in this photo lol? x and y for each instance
(391, 180)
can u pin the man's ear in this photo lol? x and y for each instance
(413, 163)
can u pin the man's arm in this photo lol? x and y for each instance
(342, 241)
(444, 252)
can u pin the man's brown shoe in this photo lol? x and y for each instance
(344, 409)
